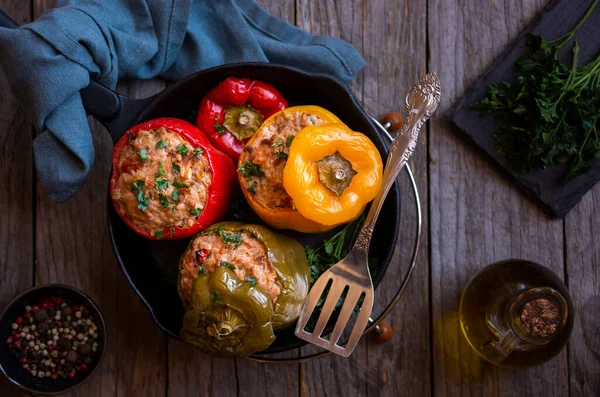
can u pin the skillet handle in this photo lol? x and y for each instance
(116, 112)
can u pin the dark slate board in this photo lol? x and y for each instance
(557, 18)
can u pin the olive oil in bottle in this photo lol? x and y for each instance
(516, 313)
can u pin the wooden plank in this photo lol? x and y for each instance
(16, 194)
(395, 50)
(283, 380)
(231, 377)
(192, 373)
(333, 374)
(141, 347)
(582, 233)
(476, 216)
(73, 247)
(402, 365)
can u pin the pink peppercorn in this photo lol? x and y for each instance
(23, 360)
(19, 320)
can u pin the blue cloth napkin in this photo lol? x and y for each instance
(49, 60)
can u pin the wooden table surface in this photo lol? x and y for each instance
(473, 217)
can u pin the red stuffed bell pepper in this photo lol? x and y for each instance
(168, 181)
(232, 112)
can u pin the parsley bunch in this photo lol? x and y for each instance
(321, 258)
(549, 115)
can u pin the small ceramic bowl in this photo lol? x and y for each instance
(9, 364)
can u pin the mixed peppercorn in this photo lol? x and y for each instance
(55, 338)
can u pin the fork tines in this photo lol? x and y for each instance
(339, 281)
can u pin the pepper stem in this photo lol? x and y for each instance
(335, 172)
(225, 326)
(220, 330)
(242, 121)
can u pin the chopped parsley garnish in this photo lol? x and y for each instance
(278, 142)
(332, 251)
(164, 201)
(162, 144)
(215, 296)
(288, 140)
(174, 209)
(138, 185)
(143, 155)
(219, 128)
(312, 120)
(183, 150)
(201, 271)
(198, 152)
(195, 211)
(141, 198)
(161, 170)
(175, 167)
(252, 188)
(293, 206)
(159, 234)
(180, 185)
(131, 137)
(230, 238)
(175, 196)
(161, 183)
(281, 154)
(228, 265)
(249, 169)
(251, 280)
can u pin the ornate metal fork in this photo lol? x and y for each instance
(351, 274)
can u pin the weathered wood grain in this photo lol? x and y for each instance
(73, 247)
(582, 233)
(332, 375)
(16, 193)
(141, 345)
(476, 217)
(374, 29)
(394, 46)
(258, 378)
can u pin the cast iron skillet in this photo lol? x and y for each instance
(151, 266)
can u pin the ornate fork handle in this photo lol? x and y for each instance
(421, 103)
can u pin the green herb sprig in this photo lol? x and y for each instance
(249, 169)
(549, 114)
(230, 238)
(143, 201)
(228, 265)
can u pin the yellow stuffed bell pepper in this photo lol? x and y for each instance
(332, 173)
(261, 165)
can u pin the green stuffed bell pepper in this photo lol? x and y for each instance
(250, 274)
(228, 317)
